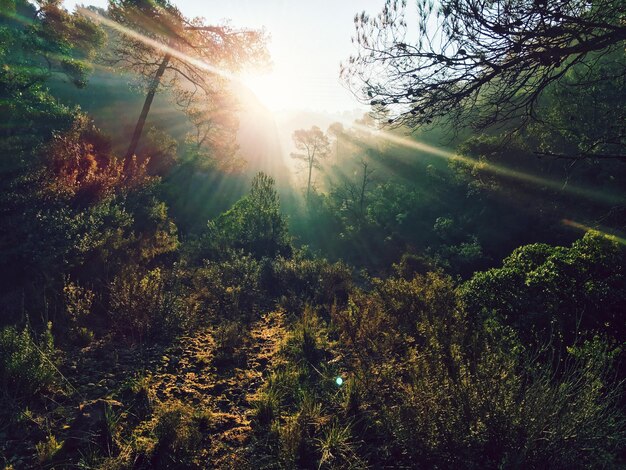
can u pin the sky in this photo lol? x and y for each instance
(308, 40)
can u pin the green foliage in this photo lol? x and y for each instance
(515, 367)
(149, 304)
(305, 346)
(254, 224)
(555, 294)
(47, 449)
(44, 40)
(300, 281)
(78, 301)
(229, 288)
(337, 448)
(26, 363)
(582, 123)
(178, 436)
(229, 337)
(443, 392)
(161, 151)
(78, 304)
(170, 439)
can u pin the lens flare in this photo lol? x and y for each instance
(339, 381)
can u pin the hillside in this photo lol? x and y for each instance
(192, 277)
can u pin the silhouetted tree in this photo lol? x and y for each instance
(337, 131)
(315, 146)
(476, 61)
(166, 49)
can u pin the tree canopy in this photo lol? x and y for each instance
(474, 61)
(187, 56)
(313, 146)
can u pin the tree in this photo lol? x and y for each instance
(214, 141)
(583, 115)
(353, 195)
(315, 147)
(254, 224)
(476, 61)
(36, 41)
(167, 50)
(40, 38)
(336, 130)
(555, 295)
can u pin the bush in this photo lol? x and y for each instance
(229, 338)
(173, 438)
(308, 281)
(178, 436)
(78, 303)
(26, 367)
(149, 305)
(555, 294)
(306, 343)
(254, 225)
(443, 392)
(229, 288)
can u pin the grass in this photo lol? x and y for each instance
(47, 449)
(336, 447)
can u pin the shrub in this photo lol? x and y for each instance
(254, 224)
(78, 302)
(229, 288)
(173, 438)
(306, 343)
(555, 294)
(149, 305)
(297, 447)
(26, 367)
(443, 392)
(337, 449)
(229, 337)
(47, 449)
(177, 433)
(309, 281)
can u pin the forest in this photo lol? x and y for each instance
(437, 281)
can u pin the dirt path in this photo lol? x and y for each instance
(234, 394)
(187, 373)
(184, 372)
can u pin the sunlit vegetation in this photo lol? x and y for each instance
(412, 298)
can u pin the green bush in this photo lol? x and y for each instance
(254, 225)
(229, 288)
(26, 367)
(308, 281)
(229, 338)
(149, 304)
(173, 438)
(555, 294)
(443, 392)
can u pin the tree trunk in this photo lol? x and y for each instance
(311, 162)
(363, 185)
(144, 112)
(308, 187)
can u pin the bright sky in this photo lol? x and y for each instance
(308, 41)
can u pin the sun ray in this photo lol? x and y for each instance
(587, 228)
(495, 169)
(157, 45)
